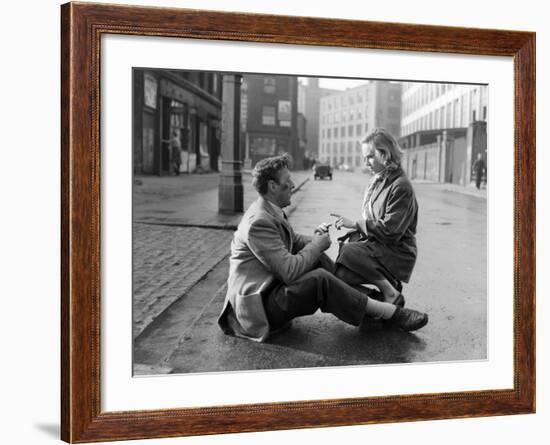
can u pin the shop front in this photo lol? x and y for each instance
(176, 125)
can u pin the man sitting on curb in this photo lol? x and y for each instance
(276, 275)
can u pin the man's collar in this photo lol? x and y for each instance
(277, 211)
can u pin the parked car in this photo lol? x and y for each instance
(321, 171)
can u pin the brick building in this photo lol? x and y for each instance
(269, 118)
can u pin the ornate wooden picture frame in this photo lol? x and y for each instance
(82, 26)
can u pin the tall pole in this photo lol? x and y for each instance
(231, 184)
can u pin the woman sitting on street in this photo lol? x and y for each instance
(382, 248)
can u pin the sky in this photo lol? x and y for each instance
(339, 84)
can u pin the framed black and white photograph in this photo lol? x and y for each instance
(191, 187)
(286, 222)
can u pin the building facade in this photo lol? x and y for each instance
(347, 116)
(187, 103)
(433, 106)
(309, 100)
(444, 129)
(269, 118)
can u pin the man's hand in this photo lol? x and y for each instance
(322, 240)
(322, 228)
(343, 222)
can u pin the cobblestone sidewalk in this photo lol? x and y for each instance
(168, 261)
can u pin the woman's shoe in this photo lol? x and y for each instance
(399, 301)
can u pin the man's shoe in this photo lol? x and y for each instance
(407, 319)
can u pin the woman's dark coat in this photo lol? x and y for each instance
(391, 225)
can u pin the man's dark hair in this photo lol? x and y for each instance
(269, 169)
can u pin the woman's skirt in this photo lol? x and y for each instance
(361, 257)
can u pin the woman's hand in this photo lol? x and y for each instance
(342, 221)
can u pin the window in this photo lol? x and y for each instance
(335, 132)
(329, 135)
(150, 90)
(358, 129)
(485, 113)
(343, 132)
(268, 115)
(350, 130)
(202, 80)
(269, 85)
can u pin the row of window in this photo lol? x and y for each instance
(344, 116)
(210, 82)
(451, 116)
(353, 161)
(343, 100)
(424, 95)
(342, 132)
(352, 147)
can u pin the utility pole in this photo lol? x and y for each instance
(231, 184)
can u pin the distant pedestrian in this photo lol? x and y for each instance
(479, 168)
(382, 248)
(276, 274)
(175, 151)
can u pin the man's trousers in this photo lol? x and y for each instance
(317, 289)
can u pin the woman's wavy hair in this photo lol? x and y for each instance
(383, 141)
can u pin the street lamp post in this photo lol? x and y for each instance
(231, 185)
